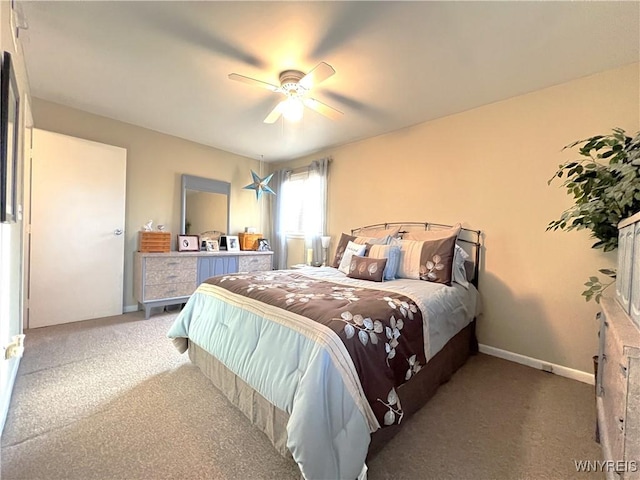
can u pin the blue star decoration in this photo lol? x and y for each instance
(260, 185)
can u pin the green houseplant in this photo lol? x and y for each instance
(605, 185)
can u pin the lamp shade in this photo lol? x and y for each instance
(326, 240)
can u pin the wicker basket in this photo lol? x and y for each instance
(249, 241)
(154, 242)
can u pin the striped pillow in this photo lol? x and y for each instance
(391, 253)
(430, 260)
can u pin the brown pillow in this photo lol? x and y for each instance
(342, 244)
(430, 260)
(367, 268)
(344, 241)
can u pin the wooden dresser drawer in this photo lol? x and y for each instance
(160, 277)
(618, 387)
(254, 263)
(172, 290)
(171, 263)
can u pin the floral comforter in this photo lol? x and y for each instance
(382, 331)
(329, 353)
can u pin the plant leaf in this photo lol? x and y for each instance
(349, 330)
(389, 418)
(392, 398)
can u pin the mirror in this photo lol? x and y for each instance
(205, 205)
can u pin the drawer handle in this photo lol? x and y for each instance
(172, 276)
(623, 370)
(621, 424)
(598, 315)
(172, 263)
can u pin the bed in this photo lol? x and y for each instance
(329, 362)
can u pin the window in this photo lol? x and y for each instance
(301, 206)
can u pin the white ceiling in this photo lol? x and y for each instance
(164, 65)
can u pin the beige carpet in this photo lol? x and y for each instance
(112, 399)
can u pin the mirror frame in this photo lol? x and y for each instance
(191, 182)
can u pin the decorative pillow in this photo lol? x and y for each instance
(373, 240)
(379, 232)
(367, 268)
(391, 253)
(433, 234)
(351, 250)
(342, 244)
(430, 260)
(459, 270)
(345, 239)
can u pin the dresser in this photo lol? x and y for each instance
(618, 380)
(161, 279)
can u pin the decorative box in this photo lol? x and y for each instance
(249, 241)
(154, 242)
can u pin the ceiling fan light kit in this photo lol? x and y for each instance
(295, 86)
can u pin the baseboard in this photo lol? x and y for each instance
(567, 372)
(5, 397)
(130, 308)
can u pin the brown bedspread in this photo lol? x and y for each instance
(381, 330)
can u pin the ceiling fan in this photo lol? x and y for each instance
(295, 86)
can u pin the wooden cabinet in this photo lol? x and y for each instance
(628, 274)
(255, 263)
(618, 389)
(618, 381)
(161, 279)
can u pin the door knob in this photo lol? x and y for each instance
(118, 231)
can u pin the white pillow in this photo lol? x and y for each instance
(351, 250)
(459, 272)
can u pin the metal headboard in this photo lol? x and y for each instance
(468, 237)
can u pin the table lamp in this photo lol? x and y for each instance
(325, 240)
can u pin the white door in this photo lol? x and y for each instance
(77, 224)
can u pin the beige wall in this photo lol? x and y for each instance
(488, 168)
(155, 163)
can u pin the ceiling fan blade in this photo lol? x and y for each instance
(275, 113)
(322, 108)
(254, 82)
(320, 73)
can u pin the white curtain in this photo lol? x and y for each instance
(279, 243)
(299, 208)
(318, 185)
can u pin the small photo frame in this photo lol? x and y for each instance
(263, 245)
(188, 243)
(213, 246)
(233, 243)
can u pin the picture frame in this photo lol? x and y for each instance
(233, 243)
(188, 243)
(213, 246)
(263, 245)
(9, 140)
